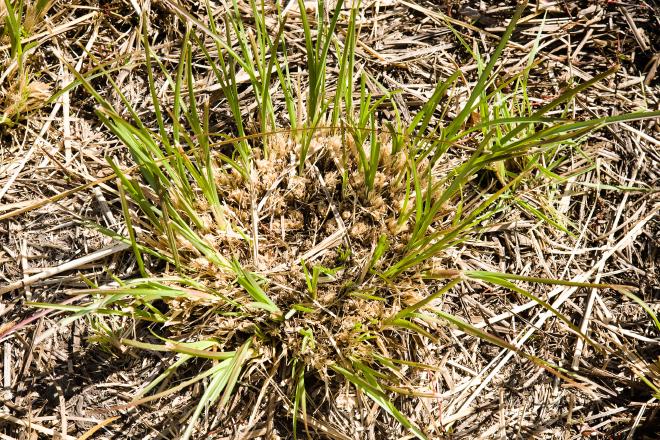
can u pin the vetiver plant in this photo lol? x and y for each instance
(308, 248)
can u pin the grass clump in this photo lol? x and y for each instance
(310, 249)
(20, 91)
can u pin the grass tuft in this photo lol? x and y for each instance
(314, 240)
